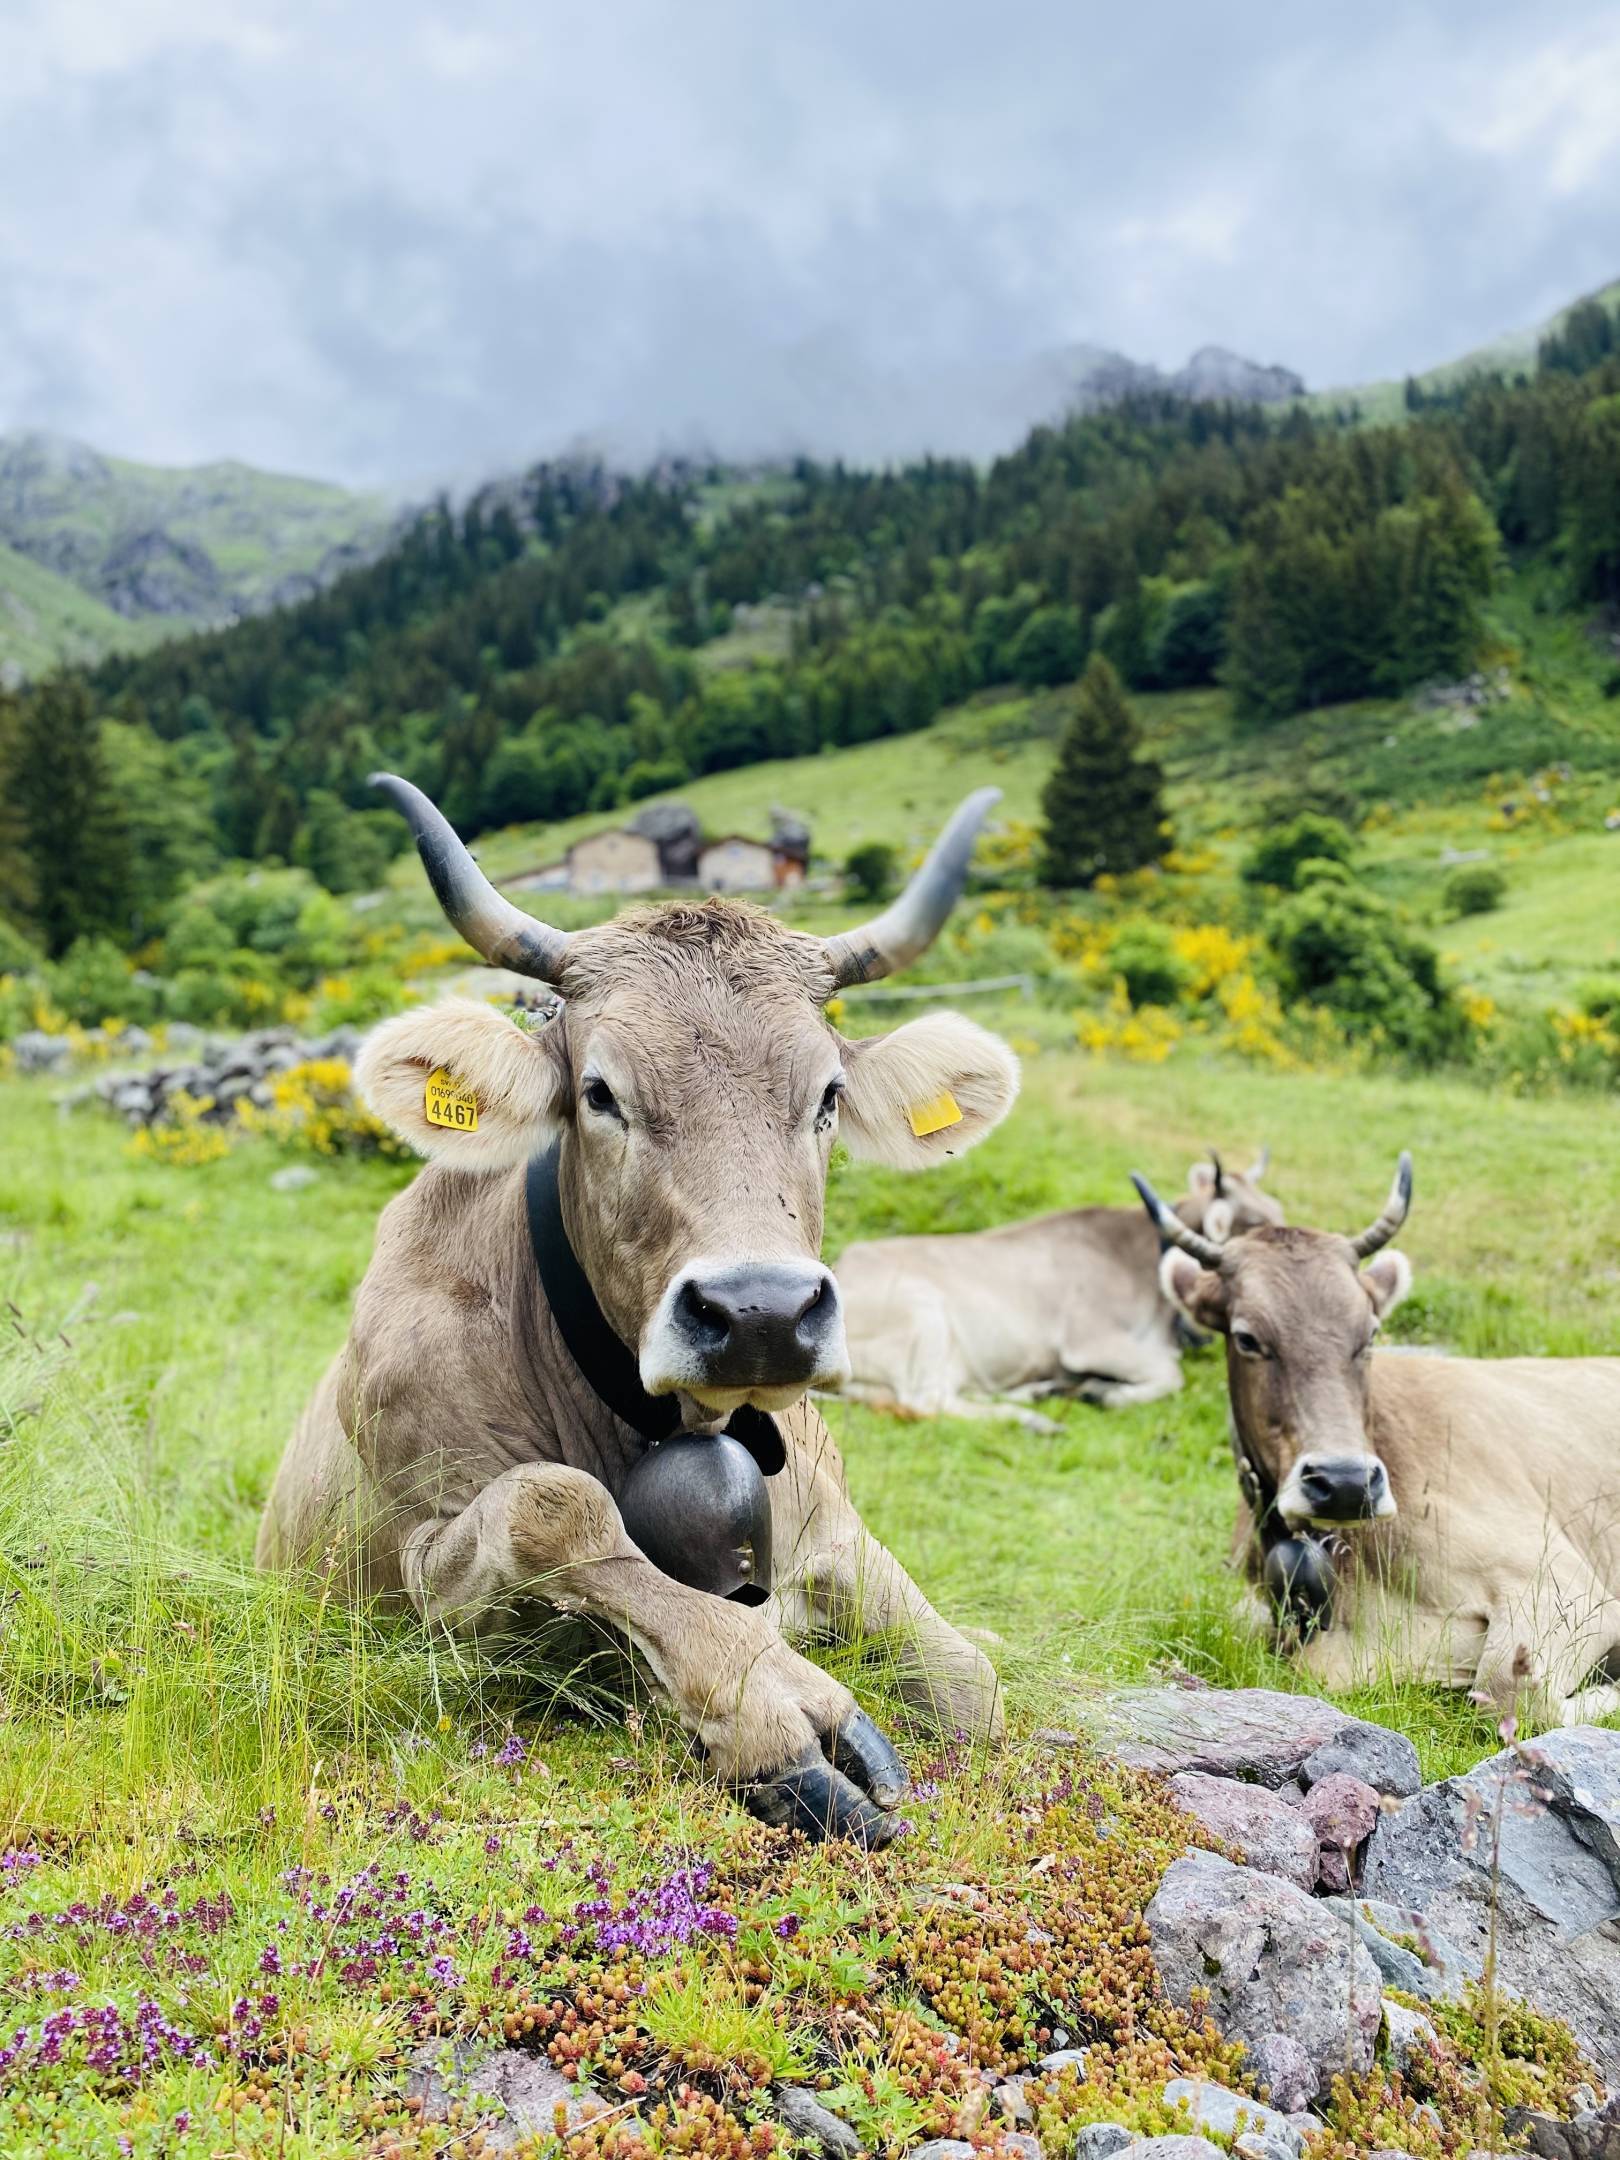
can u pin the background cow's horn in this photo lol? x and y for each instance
(896, 937)
(1220, 1174)
(1395, 1210)
(502, 933)
(1258, 1168)
(1171, 1227)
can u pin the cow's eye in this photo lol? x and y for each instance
(1247, 1343)
(600, 1098)
(829, 1098)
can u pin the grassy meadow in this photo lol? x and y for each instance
(257, 1849)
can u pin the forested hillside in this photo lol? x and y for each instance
(577, 639)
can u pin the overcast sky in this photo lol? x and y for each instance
(390, 241)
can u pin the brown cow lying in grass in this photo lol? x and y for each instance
(616, 1243)
(1066, 1304)
(1445, 1519)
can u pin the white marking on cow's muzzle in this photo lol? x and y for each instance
(730, 1332)
(1336, 1490)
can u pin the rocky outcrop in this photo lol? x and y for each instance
(1258, 1734)
(1271, 1834)
(507, 2094)
(1533, 1835)
(1269, 1959)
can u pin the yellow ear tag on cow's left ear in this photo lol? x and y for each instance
(450, 1102)
(935, 1114)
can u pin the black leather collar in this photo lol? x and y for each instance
(604, 1359)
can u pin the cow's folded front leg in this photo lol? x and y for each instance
(775, 1728)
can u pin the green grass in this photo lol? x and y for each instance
(173, 1723)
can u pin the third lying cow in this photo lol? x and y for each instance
(1069, 1303)
(1443, 1519)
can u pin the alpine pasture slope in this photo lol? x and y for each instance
(286, 1845)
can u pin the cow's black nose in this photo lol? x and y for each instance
(770, 1324)
(1346, 1488)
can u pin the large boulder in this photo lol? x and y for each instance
(1272, 1834)
(1259, 1734)
(1534, 1832)
(1270, 1960)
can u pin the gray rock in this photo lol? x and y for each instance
(37, 1052)
(1271, 1960)
(183, 1036)
(295, 1178)
(1228, 2113)
(1100, 2141)
(1255, 1733)
(1398, 1967)
(942, 2149)
(805, 2116)
(1408, 2032)
(1555, 1887)
(1282, 2070)
(1271, 1835)
(1062, 2059)
(1175, 2148)
(1593, 2134)
(1023, 2142)
(1387, 1761)
(514, 2095)
(135, 1041)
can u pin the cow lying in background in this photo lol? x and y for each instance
(615, 1245)
(1066, 1304)
(1454, 1520)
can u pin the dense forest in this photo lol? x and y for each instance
(543, 649)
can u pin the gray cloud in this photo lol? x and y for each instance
(395, 241)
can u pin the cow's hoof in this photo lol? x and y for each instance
(852, 1796)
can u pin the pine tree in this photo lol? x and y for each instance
(73, 834)
(1103, 804)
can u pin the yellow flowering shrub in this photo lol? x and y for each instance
(1146, 1036)
(184, 1138)
(314, 1106)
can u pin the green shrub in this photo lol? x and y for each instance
(93, 982)
(1277, 859)
(869, 871)
(1339, 946)
(1599, 998)
(239, 922)
(1153, 972)
(19, 955)
(1474, 889)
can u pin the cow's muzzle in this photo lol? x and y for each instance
(750, 1331)
(1336, 1489)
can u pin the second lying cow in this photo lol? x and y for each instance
(1066, 1304)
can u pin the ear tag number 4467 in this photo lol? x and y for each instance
(450, 1102)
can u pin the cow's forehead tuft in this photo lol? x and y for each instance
(700, 942)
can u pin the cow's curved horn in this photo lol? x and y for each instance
(1171, 1227)
(502, 933)
(1220, 1174)
(1258, 1168)
(896, 937)
(1379, 1233)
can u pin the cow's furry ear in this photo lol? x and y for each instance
(1387, 1278)
(1218, 1219)
(943, 1074)
(516, 1082)
(1193, 1289)
(1201, 1178)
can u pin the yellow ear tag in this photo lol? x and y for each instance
(935, 1114)
(449, 1101)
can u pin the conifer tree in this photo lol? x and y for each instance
(1103, 803)
(73, 835)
